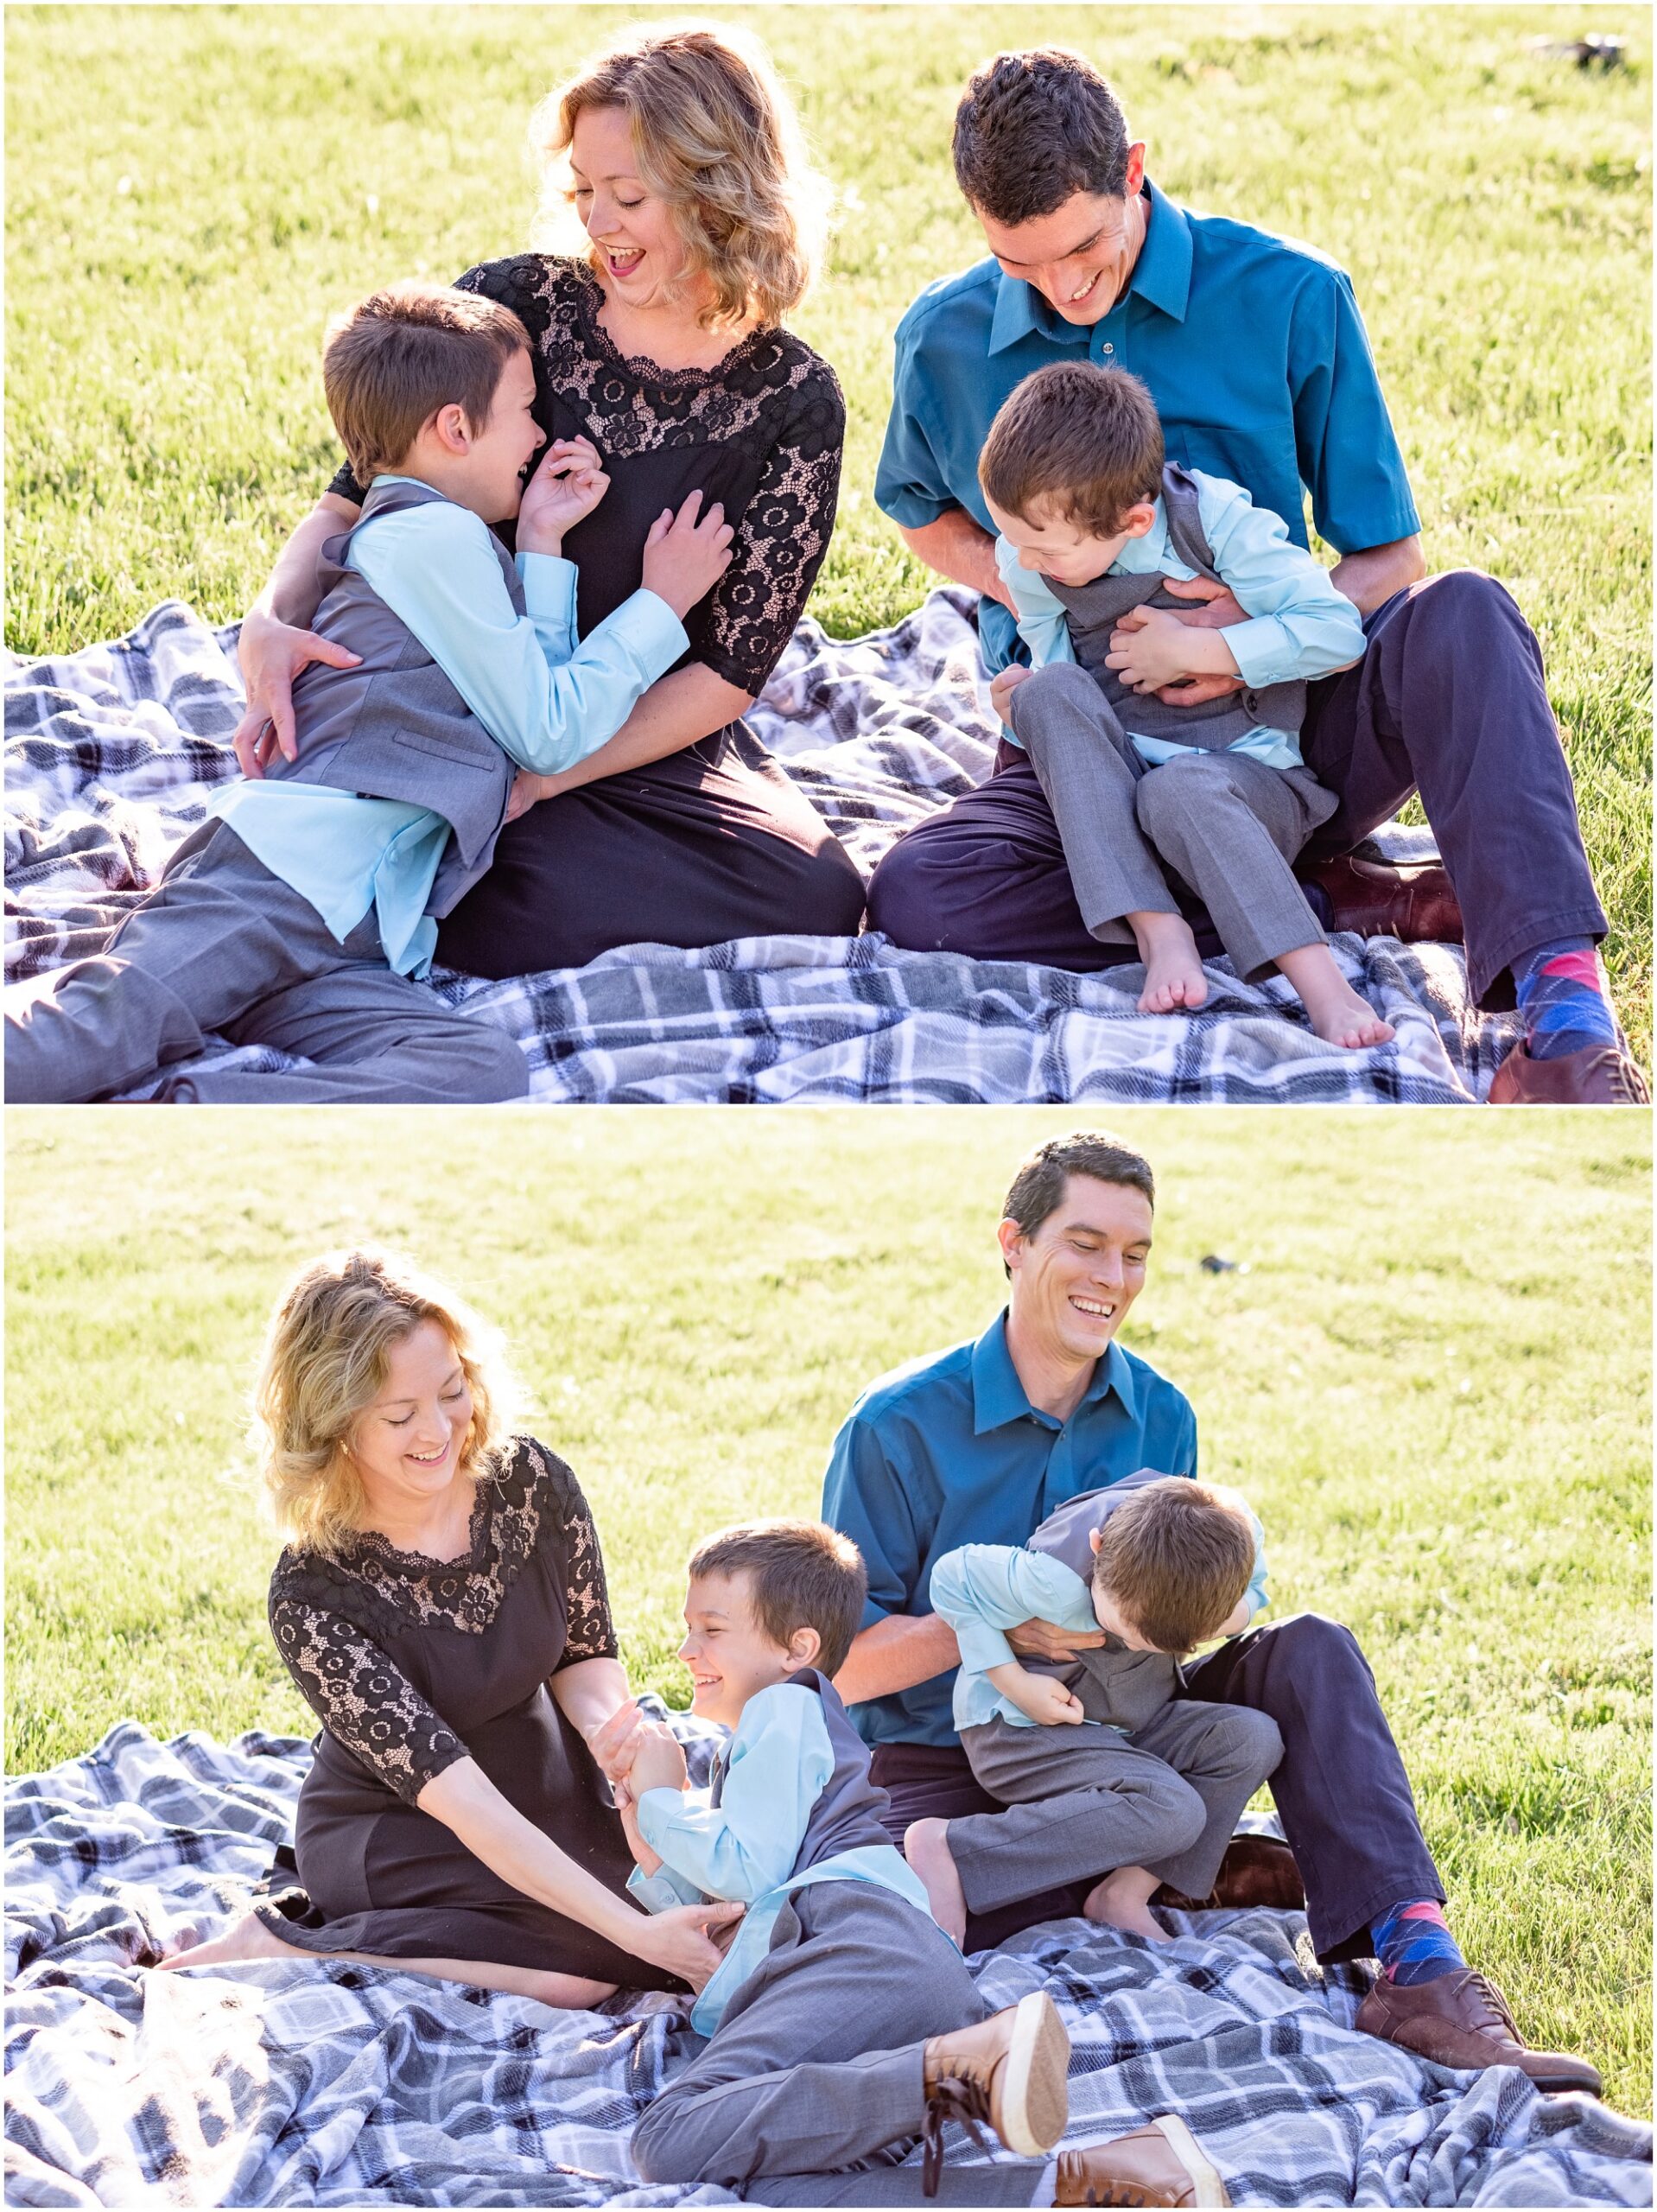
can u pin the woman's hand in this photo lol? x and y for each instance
(271, 654)
(615, 1740)
(568, 484)
(690, 1941)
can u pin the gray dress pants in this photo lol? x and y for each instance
(223, 945)
(1084, 1800)
(818, 2061)
(1228, 825)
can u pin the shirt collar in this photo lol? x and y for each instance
(1162, 277)
(998, 1397)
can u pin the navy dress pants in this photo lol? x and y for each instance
(1449, 700)
(1340, 1789)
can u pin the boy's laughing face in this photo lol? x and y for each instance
(731, 1657)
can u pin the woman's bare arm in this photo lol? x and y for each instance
(588, 1691)
(690, 703)
(276, 644)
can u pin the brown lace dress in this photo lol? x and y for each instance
(713, 841)
(412, 1663)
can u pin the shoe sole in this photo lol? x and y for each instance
(1035, 2098)
(1205, 2181)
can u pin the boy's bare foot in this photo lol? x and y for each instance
(1173, 967)
(1122, 1900)
(249, 1939)
(926, 1847)
(1338, 1016)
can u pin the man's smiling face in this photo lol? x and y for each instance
(1079, 258)
(1075, 1277)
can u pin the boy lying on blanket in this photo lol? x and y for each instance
(300, 914)
(1098, 1759)
(1093, 523)
(842, 2018)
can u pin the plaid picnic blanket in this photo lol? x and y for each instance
(331, 2084)
(113, 752)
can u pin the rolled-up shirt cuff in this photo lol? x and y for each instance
(983, 1647)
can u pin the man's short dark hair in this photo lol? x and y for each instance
(1176, 1558)
(801, 1574)
(389, 363)
(1039, 1186)
(1033, 129)
(1084, 441)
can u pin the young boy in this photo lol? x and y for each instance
(1093, 524)
(842, 2018)
(298, 914)
(1104, 1769)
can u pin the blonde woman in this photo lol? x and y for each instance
(665, 344)
(441, 1605)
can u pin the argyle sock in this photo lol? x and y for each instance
(1562, 994)
(1413, 1942)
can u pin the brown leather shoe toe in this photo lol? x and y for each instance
(1162, 2164)
(1462, 2020)
(1597, 1076)
(1413, 903)
(1257, 1870)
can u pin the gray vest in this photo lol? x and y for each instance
(1095, 609)
(396, 728)
(850, 1809)
(1127, 1689)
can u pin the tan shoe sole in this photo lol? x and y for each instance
(1034, 2097)
(1210, 2190)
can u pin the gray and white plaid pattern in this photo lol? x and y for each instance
(113, 752)
(330, 2084)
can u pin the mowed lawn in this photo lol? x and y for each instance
(192, 191)
(1429, 1368)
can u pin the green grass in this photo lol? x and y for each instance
(1433, 1379)
(192, 191)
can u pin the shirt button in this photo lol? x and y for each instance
(1107, 349)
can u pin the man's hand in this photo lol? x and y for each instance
(1003, 686)
(568, 484)
(1211, 607)
(1042, 1640)
(270, 655)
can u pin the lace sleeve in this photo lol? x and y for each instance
(361, 1699)
(780, 541)
(591, 1632)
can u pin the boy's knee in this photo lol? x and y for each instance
(1182, 1813)
(657, 2152)
(1257, 1741)
(497, 1071)
(1049, 703)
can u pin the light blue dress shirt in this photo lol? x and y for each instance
(546, 701)
(1299, 626)
(743, 1849)
(983, 1590)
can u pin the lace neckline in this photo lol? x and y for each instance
(589, 297)
(422, 1563)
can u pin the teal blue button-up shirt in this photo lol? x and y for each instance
(1252, 346)
(950, 1451)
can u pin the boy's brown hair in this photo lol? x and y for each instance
(389, 363)
(801, 1574)
(1086, 439)
(1176, 1558)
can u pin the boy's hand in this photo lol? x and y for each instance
(1150, 648)
(1212, 607)
(685, 558)
(1047, 1701)
(658, 1761)
(1002, 686)
(646, 1860)
(615, 1743)
(568, 484)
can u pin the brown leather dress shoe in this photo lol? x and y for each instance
(1375, 898)
(1597, 1076)
(1462, 2020)
(1159, 2165)
(1009, 2070)
(1257, 1870)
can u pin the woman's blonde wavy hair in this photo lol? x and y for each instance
(323, 1365)
(716, 138)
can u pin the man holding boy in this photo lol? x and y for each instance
(980, 1444)
(1256, 356)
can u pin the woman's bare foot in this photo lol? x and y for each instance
(1173, 967)
(1338, 1016)
(926, 1847)
(249, 1939)
(1123, 1900)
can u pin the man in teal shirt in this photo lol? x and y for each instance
(980, 1444)
(1255, 353)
